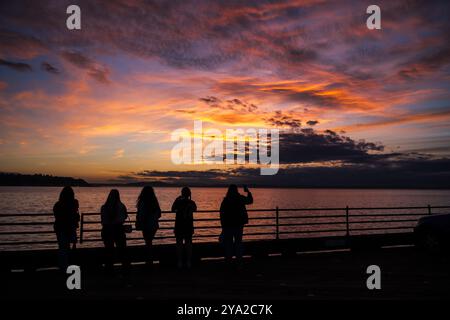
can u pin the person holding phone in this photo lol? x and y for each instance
(233, 218)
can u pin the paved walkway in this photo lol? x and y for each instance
(406, 273)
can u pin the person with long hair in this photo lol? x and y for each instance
(184, 208)
(233, 217)
(67, 217)
(147, 216)
(113, 216)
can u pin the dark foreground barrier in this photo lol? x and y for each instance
(165, 253)
(270, 231)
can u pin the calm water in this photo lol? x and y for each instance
(41, 200)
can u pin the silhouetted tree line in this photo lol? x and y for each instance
(17, 179)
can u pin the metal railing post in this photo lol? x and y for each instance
(81, 228)
(277, 215)
(429, 209)
(347, 222)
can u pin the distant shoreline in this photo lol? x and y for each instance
(40, 180)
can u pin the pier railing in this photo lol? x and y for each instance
(21, 229)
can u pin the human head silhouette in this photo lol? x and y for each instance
(146, 196)
(232, 190)
(186, 192)
(113, 198)
(67, 194)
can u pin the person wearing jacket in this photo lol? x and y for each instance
(233, 217)
(184, 208)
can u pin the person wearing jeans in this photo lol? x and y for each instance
(232, 239)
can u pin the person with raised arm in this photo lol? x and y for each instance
(233, 218)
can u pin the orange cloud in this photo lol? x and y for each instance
(442, 116)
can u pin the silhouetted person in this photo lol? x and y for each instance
(113, 216)
(66, 224)
(184, 208)
(148, 214)
(233, 217)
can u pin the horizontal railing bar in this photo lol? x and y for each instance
(281, 225)
(312, 217)
(381, 228)
(253, 210)
(25, 215)
(284, 224)
(155, 238)
(312, 231)
(201, 219)
(198, 211)
(160, 221)
(363, 208)
(384, 221)
(250, 218)
(310, 223)
(340, 222)
(218, 219)
(196, 227)
(40, 223)
(130, 213)
(260, 218)
(387, 215)
(398, 208)
(92, 222)
(28, 242)
(260, 234)
(25, 232)
(311, 209)
(173, 220)
(195, 236)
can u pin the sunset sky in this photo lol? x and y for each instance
(100, 103)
